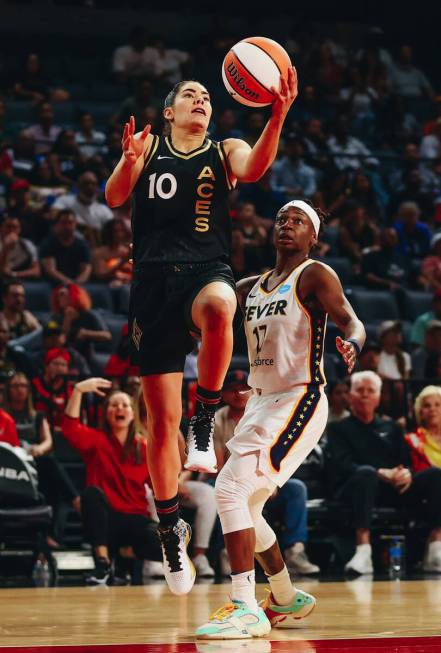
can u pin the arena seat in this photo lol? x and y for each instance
(38, 295)
(374, 306)
(341, 266)
(101, 296)
(416, 302)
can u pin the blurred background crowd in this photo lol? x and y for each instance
(362, 142)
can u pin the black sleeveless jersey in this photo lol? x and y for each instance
(180, 211)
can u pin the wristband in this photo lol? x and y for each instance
(355, 345)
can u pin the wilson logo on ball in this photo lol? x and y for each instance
(239, 81)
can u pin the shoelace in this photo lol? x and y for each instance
(202, 429)
(223, 612)
(170, 541)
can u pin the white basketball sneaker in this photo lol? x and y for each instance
(200, 447)
(179, 570)
(235, 621)
(361, 561)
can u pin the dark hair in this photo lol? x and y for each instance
(62, 212)
(11, 282)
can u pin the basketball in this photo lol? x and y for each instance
(252, 67)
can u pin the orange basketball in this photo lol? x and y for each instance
(252, 67)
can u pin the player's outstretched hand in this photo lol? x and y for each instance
(133, 146)
(94, 384)
(285, 95)
(347, 351)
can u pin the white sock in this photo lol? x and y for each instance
(244, 589)
(281, 587)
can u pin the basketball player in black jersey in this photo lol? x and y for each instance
(182, 282)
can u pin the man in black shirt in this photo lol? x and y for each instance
(64, 254)
(368, 462)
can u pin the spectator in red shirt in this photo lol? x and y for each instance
(52, 389)
(116, 515)
(8, 432)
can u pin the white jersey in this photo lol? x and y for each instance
(285, 338)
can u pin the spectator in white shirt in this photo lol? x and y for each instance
(89, 140)
(44, 131)
(407, 80)
(352, 153)
(171, 63)
(136, 59)
(91, 215)
(431, 144)
(394, 362)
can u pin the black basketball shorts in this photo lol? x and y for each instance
(161, 297)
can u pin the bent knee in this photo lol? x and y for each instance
(217, 312)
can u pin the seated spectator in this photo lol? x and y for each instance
(291, 175)
(363, 191)
(65, 254)
(432, 347)
(431, 265)
(35, 436)
(23, 155)
(91, 215)
(171, 63)
(349, 153)
(112, 261)
(266, 200)
(385, 268)
(414, 236)
(119, 363)
(18, 256)
(419, 327)
(425, 440)
(44, 132)
(415, 183)
(430, 147)
(8, 363)
(316, 148)
(51, 390)
(338, 396)
(357, 235)
(368, 463)
(394, 363)
(21, 322)
(32, 355)
(225, 126)
(289, 500)
(194, 494)
(136, 59)
(66, 159)
(34, 86)
(90, 141)
(250, 240)
(71, 307)
(34, 219)
(115, 511)
(408, 80)
(135, 105)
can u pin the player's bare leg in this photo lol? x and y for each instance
(212, 312)
(162, 396)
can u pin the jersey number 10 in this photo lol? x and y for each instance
(158, 186)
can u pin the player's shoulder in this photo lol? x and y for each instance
(319, 270)
(232, 144)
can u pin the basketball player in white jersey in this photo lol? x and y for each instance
(286, 312)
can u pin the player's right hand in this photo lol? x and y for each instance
(133, 146)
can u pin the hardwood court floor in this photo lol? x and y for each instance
(359, 609)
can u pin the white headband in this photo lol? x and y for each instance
(306, 208)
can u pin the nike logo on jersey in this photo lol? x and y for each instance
(164, 157)
(273, 308)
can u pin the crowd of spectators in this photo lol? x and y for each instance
(362, 142)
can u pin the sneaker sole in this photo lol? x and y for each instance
(258, 631)
(195, 467)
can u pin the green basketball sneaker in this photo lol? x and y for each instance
(287, 616)
(235, 620)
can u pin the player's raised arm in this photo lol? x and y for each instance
(249, 164)
(325, 285)
(122, 180)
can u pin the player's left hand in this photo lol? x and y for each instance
(347, 351)
(285, 95)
